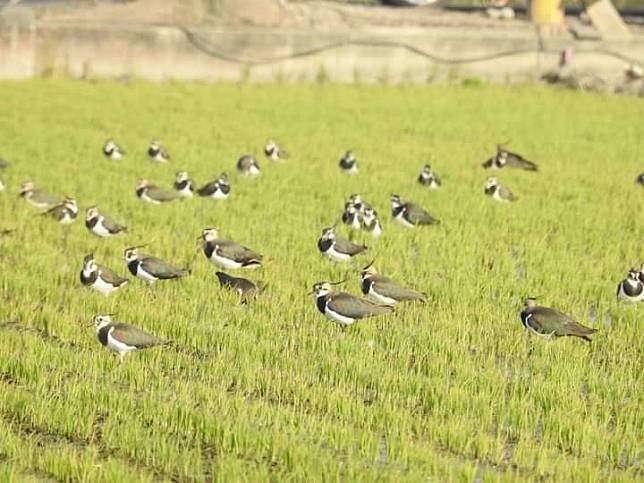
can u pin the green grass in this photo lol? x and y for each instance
(452, 390)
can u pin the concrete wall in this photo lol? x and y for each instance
(29, 48)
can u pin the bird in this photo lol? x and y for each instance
(242, 286)
(547, 322)
(503, 158)
(497, 191)
(336, 247)
(123, 338)
(371, 222)
(153, 194)
(410, 214)
(218, 189)
(384, 289)
(64, 213)
(113, 151)
(38, 198)
(641, 273)
(351, 216)
(344, 308)
(640, 179)
(348, 163)
(100, 278)
(183, 184)
(631, 289)
(102, 225)
(428, 178)
(150, 269)
(227, 254)
(4, 163)
(248, 165)
(157, 153)
(274, 152)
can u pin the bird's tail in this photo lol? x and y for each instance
(581, 331)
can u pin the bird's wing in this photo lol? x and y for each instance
(133, 336)
(505, 193)
(112, 226)
(207, 189)
(519, 161)
(419, 216)
(392, 289)
(234, 251)
(488, 163)
(160, 194)
(45, 198)
(550, 321)
(237, 283)
(354, 307)
(161, 269)
(345, 246)
(111, 277)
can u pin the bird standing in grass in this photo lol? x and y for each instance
(384, 289)
(113, 151)
(64, 213)
(218, 189)
(123, 338)
(631, 289)
(150, 269)
(183, 185)
(498, 191)
(344, 308)
(371, 222)
(157, 153)
(274, 152)
(504, 158)
(242, 286)
(227, 254)
(336, 247)
(409, 214)
(38, 198)
(248, 165)
(100, 278)
(102, 225)
(640, 179)
(348, 163)
(153, 194)
(429, 178)
(550, 323)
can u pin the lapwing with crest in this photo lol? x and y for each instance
(113, 151)
(631, 289)
(149, 268)
(248, 166)
(38, 198)
(336, 247)
(410, 214)
(274, 152)
(344, 308)
(123, 338)
(153, 194)
(504, 158)
(157, 153)
(550, 323)
(429, 178)
(102, 225)
(227, 254)
(385, 290)
(371, 222)
(183, 185)
(497, 191)
(218, 189)
(100, 278)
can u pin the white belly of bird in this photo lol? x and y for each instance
(337, 256)
(158, 158)
(352, 170)
(37, 204)
(336, 317)
(219, 195)
(143, 275)
(380, 298)
(376, 231)
(400, 219)
(253, 171)
(102, 286)
(66, 219)
(116, 156)
(433, 185)
(624, 297)
(146, 198)
(117, 346)
(497, 197)
(99, 230)
(225, 263)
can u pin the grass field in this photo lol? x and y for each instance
(451, 390)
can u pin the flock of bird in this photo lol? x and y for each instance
(381, 292)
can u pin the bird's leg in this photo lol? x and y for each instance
(65, 234)
(154, 295)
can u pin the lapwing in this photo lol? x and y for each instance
(102, 225)
(410, 215)
(498, 191)
(641, 273)
(351, 216)
(4, 163)
(183, 184)
(123, 338)
(64, 213)
(150, 269)
(242, 286)
(153, 194)
(348, 163)
(503, 158)
(371, 222)
(157, 153)
(100, 278)
(384, 289)
(113, 151)
(428, 178)
(274, 152)
(248, 165)
(218, 189)
(336, 247)
(227, 254)
(631, 289)
(38, 198)
(344, 308)
(547, 322)
(640, 179)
